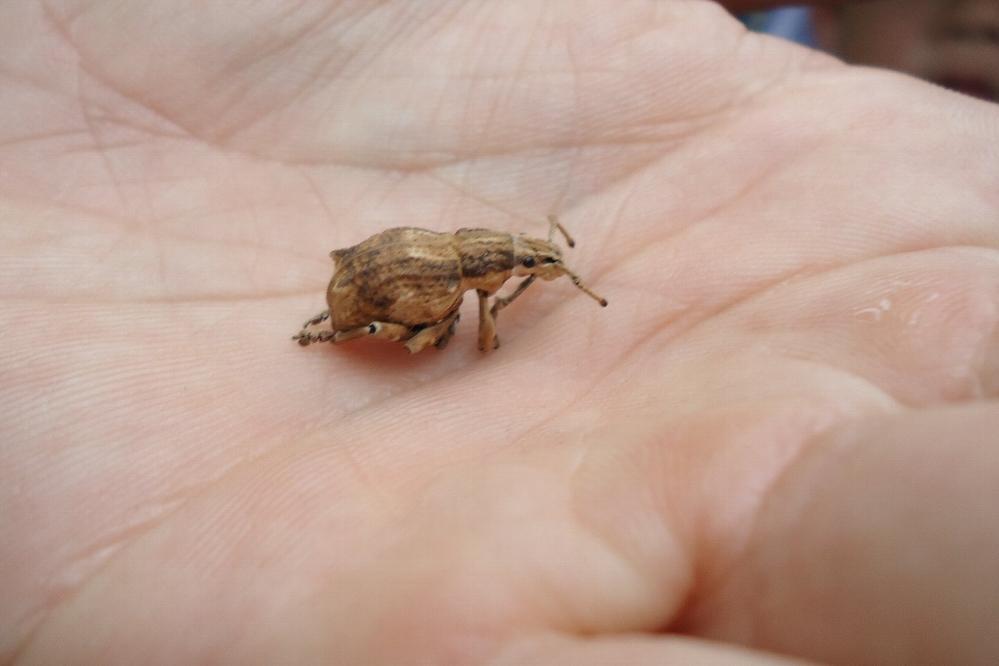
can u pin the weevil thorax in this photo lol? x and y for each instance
(533, 256)
(486, 258)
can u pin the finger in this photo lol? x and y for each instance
(877, 546)
(632, 650)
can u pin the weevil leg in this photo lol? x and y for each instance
(446, 338)
(318, 319)
(488, 340)
(439, 334)
(501, 302)
(305, 338)
(376, 329)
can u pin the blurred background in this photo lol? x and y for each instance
(954, 43)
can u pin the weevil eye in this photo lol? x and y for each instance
(528, 262)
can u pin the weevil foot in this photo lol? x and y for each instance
(318, 319)
(488, 343)
(305, 338)
(446, 338)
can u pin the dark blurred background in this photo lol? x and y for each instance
(954, 43)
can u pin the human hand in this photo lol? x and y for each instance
(755, 443)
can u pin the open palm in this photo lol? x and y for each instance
(801, 269)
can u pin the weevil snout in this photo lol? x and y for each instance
(543, 259)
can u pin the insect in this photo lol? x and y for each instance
(406, 284)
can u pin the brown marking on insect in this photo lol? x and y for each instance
(406, 284)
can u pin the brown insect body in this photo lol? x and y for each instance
(413, 276)
(407, 283)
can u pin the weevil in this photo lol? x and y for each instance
(406, 284)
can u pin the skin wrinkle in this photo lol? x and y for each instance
(601, 241)
(107, 147)
(577, 96)
(470, 194)
(62, 28)
(107, 544)
(826, 270)
(544, 596)
(388, 41)
(224, 144)
(41, 136)
(149, 224)
(224, 137)
(127, 230)
(99, 146)
(655, 247)
(683, 551)
(187, 133)
(618, 180)
(193, 494)
(741, 95)
(657, 334)
(109, 117)
(115, 553)
(27, 81)
(317, 193)
(807, 451)
(466, 107)
(294, 257)
(707, 586)
(95, 135)
(568, 618)
(288, 40)
(504, 98)
(341, 161)
(761, 176)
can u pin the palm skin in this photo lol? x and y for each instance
(753, 443)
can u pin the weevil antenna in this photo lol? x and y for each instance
(554, 224)
(583, 288)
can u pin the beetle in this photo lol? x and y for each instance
(406, 284)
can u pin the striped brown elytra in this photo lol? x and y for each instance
(406, 284)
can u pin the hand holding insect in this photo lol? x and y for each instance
(782, 438)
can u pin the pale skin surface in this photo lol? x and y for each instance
(780, 433)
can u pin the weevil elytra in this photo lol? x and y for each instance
(406, 284)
